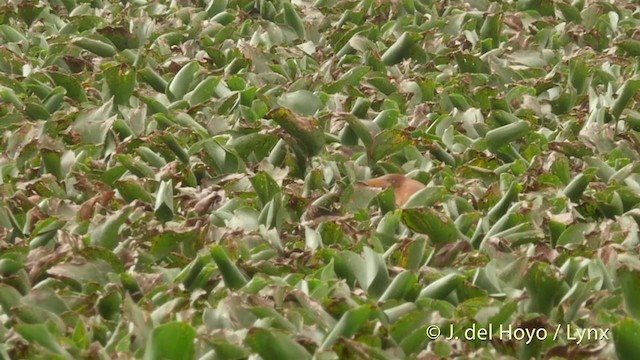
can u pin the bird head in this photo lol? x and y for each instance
(403, 187)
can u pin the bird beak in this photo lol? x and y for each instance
(377, 182)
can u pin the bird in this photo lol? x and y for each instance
(403, 187)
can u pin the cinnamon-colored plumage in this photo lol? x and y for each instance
(403, 187)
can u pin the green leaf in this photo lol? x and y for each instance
(96, 46)
(543, 283)
(93, 125)
(52, 163)
(166, 241)
(275, 344)
(151, 77)
(630, 46)
(228, 350)
(163, 208)
(426, 220)
(13, 35)
(9, 95)
(386, 200)
(426, 197)
(579, 75)
(44, 231)
(279, 321)
(9, 297)
(348, 325)
(54, 100)
(386, 143)
(135, 166)
(356, 125)
(131, 190)
(10, 266)
(170, 140)
(231, 274)
(204, 91)
(491, 28)
(109, 304)
(40, 334)
(181, 83)
(307, 133)
(121, 83)
(357, 197)
(442, 287)
(119, 36)
(215, 7)
(258, 145)
(151, 157)
(83, 272)
(400, 49)
(351, 267)
(576, 187)
(107, 232)
(303, 102)
(71, 84)
(630, 285)
(350, 78)
(292, 19)
(30, 11)
(569, 12)
(383, 84)
(223, 160)
(413, 257)
(377, 273)
(401, 285)
(625, 94)
(171, 341)
(501, 207)
(497, 138)
(626, 333)
(265, 186)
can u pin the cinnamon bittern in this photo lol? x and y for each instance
(403, 187)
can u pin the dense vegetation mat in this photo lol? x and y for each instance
(195, 179)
